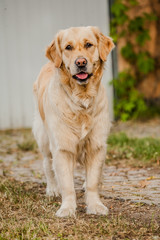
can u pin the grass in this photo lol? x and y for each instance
(27, 145)
(25, 213)
(138, 151)
(28, 142)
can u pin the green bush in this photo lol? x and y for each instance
(129, 103)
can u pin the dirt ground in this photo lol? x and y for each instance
(138, 129)
(129, 193)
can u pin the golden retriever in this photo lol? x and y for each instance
(71, 120)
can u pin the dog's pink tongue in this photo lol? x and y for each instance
(82, 75)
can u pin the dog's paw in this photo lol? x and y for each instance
(52, 191)
(97, 208)
(66, 212)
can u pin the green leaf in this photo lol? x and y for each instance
(145, 63)
(133, 2)
(129, 106)
(128, 53)
(122, 33)
(143, 37)
(113, 33)
(129, 102)
(136, 24)
(118, 8)
(150, 16)
(125, 117)
(119, 11)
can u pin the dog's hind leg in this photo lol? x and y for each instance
(43, 143)
(52, 187)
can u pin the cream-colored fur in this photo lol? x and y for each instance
(71, 120)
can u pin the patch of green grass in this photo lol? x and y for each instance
(22, 138)
(27, 145)
(145, 150)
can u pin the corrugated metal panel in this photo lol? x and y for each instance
(26, 28)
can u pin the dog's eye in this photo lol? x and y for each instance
(68, 47)
(88, 45)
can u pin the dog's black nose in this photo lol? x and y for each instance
(81, 62)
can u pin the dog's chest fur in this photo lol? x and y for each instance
(80, 120)
(76, 113)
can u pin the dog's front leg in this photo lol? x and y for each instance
(93, 174)
(63, 162)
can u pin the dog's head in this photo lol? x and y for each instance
(79, 49)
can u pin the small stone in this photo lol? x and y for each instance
(1, 172)
(156, 238)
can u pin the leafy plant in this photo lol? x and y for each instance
(129, 102)
(145, 63)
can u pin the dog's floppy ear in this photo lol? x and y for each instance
(105, 44)
(53, 52)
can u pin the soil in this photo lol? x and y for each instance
(139, 129)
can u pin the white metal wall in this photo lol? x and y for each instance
(26, 28)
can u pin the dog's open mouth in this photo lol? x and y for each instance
(82, 77)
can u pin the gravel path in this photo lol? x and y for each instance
(136, 185)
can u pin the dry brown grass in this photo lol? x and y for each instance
(26, 213)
